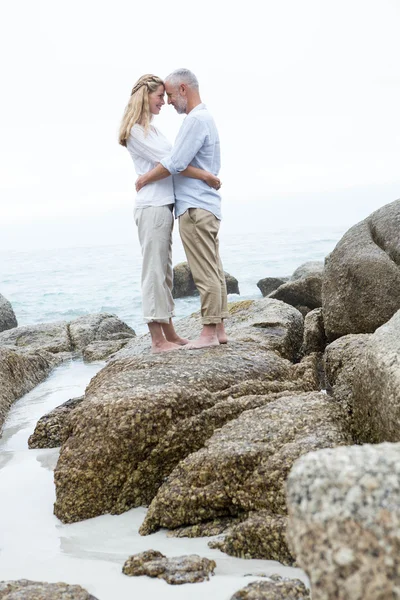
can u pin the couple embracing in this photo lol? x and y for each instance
(181, 179)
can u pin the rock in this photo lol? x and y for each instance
(344, 521)
(261, 535)
(184, 285)
(270, 323)
(312, 267)
(244, 465)
(207, 529)
(366, 380)
(274, 588)
(270, 284)
(24, 589)
(314, 333)
(101, 327)
(142, 414)
(52, 429)
(176, 570)
(304, 292)
(102, 350)
(20, 372)
(361, 284)
(7, 316)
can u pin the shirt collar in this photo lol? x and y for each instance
(198, 107)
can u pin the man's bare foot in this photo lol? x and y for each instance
(221, 334)
(178, 340)
(202, 342)
(164, 346)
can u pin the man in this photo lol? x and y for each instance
(197, 205)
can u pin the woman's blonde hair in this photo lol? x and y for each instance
(138, 109)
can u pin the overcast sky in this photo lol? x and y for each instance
(305, 94)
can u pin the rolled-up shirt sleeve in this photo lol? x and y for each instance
(190, 139)
(145, 146)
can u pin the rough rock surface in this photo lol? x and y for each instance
(244, 465)
(312, 267)
(272, 324)
(344, 521)
(7, 316)
(314, 333)
(143, 414)
(261, 535)
(366, 379)
(270, 284)
(207, 529)
(177, 570)
(184, 285)
(361, 286)
(20, 372)
(273, 588)
(102, 350)
(303, 292)
(52, 429)
(23, 589)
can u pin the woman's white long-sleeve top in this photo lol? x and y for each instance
(146, 150)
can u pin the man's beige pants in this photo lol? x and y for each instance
(199, 233)
(155, 224)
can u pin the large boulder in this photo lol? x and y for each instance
(20, 371)
(23, 589)
(7, 316)
(344, 521)
(52, 429)
(184, 285)
(270, 284)
(244, 465)
(303, 293)
(312, 267)
(144, 413)
(274, 587)
(361, 283)
(364, 373)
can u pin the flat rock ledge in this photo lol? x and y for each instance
(176, 570)
(244, 465)
(274, 588)
(23, 589)
(344, 521)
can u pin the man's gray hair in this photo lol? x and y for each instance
(183, 76)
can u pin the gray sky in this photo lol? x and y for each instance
(306, 96)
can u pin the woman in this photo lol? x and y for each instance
(153, 209)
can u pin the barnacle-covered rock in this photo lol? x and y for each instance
(261, 535)
(274, 588)
(176, 570)
(52, 429)
(23, 589)
(244, 465)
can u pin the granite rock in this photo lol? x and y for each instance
(304, 292)
(7, 316)
(52, 429)
(270, 284)
(184, 285)
(361, 283)
(344, 521)
(244, 465)
(23, 589)
(314, 333)
(176, 570)
(312, 267)
(274, 588)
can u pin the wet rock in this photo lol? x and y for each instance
(303, 293)
(271, 324)
(244, 465)
(261, 535)
(274, 588)
(184, 285)
(176, 570)
(312, 267)
(23, 589)
(270, 284)
(314, 332)
(20, 372)
(7, 316)
(142, 415)
(344, 521)
(361, 286)
(52, 429)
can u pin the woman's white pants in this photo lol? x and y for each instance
(155, 225)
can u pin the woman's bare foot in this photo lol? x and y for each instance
(208, 338)
(221, 333)
(164, 346)
(171, 335)
(178, 340)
